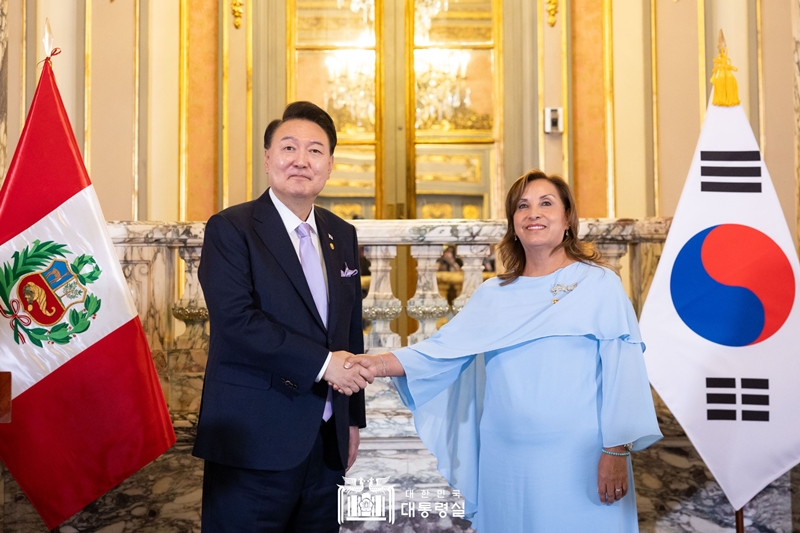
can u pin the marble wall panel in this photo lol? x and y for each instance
(149, 272)
(185, 391)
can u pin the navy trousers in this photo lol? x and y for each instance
(301, 500)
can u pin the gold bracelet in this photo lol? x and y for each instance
(384, 365)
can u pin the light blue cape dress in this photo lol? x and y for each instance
(516, 395)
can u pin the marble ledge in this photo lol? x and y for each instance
(174, 234)
(402, 232)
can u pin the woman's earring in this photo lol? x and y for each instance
(515, 237)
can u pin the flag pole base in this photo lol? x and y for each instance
(740, 520)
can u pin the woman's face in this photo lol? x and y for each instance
(540, 219)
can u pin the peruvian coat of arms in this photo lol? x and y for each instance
(42, 293)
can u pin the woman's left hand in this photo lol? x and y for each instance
(612, 476)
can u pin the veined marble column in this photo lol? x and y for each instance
(427, 305)
(472, 255)
(380, 306)
(187, 362)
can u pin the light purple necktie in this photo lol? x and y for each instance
(312, 268)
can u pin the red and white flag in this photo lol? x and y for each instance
(88, 406)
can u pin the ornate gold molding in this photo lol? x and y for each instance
(552, 11)
(437, 211)
(237, 9)
(608, 91)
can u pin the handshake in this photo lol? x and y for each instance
(348, 373)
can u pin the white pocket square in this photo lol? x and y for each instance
(347, 273)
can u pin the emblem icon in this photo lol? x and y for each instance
(373, 505)
(39, 285)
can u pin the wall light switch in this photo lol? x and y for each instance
(553, 120)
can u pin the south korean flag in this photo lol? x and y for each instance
(721, 321)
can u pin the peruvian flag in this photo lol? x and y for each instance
(88, 406)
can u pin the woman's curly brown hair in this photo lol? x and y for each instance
(510, 249)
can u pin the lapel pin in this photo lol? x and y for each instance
(331, 246)
(330, 236)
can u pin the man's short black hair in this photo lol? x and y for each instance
(303, 111)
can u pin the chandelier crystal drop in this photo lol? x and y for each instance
(367, 8)
(424, 14)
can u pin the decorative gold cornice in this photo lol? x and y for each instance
(237, 9)
(552, 11)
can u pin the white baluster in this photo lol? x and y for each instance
(613, 252)
(380, 306)
(191, 309)
(472, 255)
(427, 305)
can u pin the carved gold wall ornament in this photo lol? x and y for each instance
(237, 8)
(437, 211)
(471, 212)
(347, 211)
(552, 11)
(449, 168)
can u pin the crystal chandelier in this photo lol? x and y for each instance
(367, 8)
(442, 91)
(424, 12)
(350, 95)
(443, 98)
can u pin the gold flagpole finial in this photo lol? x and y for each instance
(726, 90)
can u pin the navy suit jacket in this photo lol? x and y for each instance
(261, 408)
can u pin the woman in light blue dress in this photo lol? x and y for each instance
(533, 396)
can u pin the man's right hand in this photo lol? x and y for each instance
(347, 381)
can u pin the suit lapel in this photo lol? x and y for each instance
(269, 227)
(333, 262)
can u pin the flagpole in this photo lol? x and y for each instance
(740, 520)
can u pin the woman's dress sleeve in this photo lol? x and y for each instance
(446, 398)
(627, 413)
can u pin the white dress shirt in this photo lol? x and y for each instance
(292, 221)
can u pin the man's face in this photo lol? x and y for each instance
(298, 161)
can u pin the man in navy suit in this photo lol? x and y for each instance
(283, 292)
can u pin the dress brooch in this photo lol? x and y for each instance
(560, 287)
